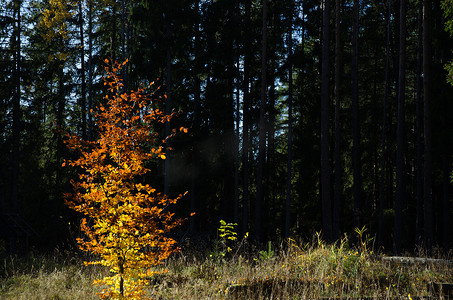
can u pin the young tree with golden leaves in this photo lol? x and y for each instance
(126, 221)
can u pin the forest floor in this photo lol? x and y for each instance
(289, 270)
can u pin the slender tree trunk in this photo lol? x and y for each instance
(236, 150)
(427, 189)
(290, 126)
(83, 104)
(356, 151)
(262, 129)
(129, 36)
(227, 206)
(269, 187)
(446, 210)
(382, 192)
(246, 122)
(375, 129)
(60, 113)
(113, 34)
(167, 103)
(237, 137)
(123, 31)
(196, 122)
(90, 67)
(121, 273)
(124, 45)
(418, 129)
(337, 184)
(57, 189)
(325, 167)
(400, 176)
(16, 109)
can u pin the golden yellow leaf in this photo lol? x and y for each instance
(108, 192)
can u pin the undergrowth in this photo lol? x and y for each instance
(59, 275)
(286, 270)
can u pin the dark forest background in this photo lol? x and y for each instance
(303, 116)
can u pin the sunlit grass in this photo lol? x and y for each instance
(54, 276)
(296, 270)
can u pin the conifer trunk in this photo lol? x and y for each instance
(382, 184)
(16, 108)
(418, 129)
(400, 196)
(82, 71)
(356, 151)
(262, 129)
(427, 189)
(246, 124)
(90, 67)
(196, 122)
(290, 126)
(167, 102)
(325, 167)
(337, 184)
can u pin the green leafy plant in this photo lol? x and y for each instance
(364, 240)
(227, 231)
(269, 254)
(226, 235)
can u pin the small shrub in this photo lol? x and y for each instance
(226, 236)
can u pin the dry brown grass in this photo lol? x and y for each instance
(296, 270)
(56, 276)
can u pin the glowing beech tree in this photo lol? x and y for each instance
(126, 221)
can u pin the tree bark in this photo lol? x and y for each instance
(382, 192)
(337, 180)
(400, 169)
(167, 102)
(16, 108)
(325, 168)
(236, 148)
(83, 104)
(269, 188)
(418, 129)
(356, 151)
(246, 122)
(227, 206)
(290, 126)
(123, 32)
(446, 210)
(427, 189)
(90, 68)
(262, 129)
(121, 273)
(196, 122)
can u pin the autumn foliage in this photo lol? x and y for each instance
(125, 222)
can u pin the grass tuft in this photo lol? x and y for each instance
(56, 276)
(295, 270)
